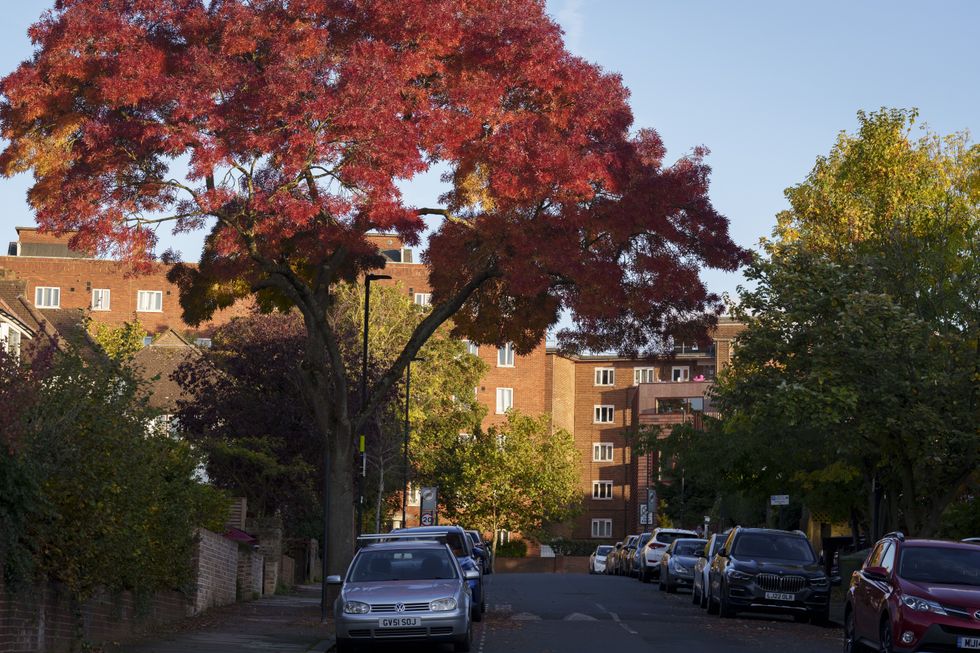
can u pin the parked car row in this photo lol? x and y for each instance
(909, 595)
(413, 584)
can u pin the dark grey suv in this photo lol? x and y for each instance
(768, 571)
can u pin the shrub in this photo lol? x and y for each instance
(512, 549)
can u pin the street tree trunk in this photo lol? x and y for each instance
(381, 492)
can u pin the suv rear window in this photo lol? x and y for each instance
(771, 546)
(666, 537)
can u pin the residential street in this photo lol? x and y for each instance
(572, 613)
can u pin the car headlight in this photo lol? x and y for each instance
(442, 605)
(681, 569)
(734, 574)
(923, 605)
(820, 582)
(356, 607)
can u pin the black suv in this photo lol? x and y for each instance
(769, 571)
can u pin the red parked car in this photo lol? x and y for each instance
(915, 595)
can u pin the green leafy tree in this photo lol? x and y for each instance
(519, 476)
(120, 343)
(115, 501)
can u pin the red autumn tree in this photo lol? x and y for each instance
(298, 118)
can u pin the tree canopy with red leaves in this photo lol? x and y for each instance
(298, 119)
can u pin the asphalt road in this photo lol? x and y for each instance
(572, 613)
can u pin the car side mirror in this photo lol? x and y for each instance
(876, 573)
(471, 574)
(334, 580)
(723, 552)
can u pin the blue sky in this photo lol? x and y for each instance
(766, 85)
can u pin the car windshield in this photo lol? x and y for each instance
(688, 547)
(644, 539)
(475, 537)
(603, 550)
(453, 539)
(942, 565)
(402, 564)
(666, 537)
(769, 546)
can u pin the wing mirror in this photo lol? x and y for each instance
(471, 574)
(876, 573)
(334, 580)
(722, 552)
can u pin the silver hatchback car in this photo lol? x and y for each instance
(404, 589)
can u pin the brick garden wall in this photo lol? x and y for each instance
(42, 619)
(216, 561)
(250, 565)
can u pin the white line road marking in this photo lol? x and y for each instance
(483, 638)
(615, 617)
(525, 616)
(501, 607)
(578, 616)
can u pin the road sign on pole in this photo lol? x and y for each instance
(428, 518)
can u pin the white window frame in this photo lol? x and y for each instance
(472, 348)
(600, 413)
(601, 528)
(423, 299)
(639, 372)
(156, 295)
(605, 376)
(104, 302)
(11, 339)
(505, 355)
(414, 495)
(53, 297)
(685, 373)
(501, 394)
(603, 452)
(602, 490)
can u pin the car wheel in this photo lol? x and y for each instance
(464, 645)
(483, 605)
(660, 581)
(885, 637)
(850, 641)
(704, 598)
(476, 614)
(668, 585)
(725, 609)
(695, 599)
(712, 606)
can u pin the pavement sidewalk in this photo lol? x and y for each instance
(280, 624)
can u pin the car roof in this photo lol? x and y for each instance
(944, 544)
(771, 531)
(405, 544)
(428, 529)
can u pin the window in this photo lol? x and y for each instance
(644, 375)
(602, 490)
(423, 298)
(10, 340)
(414, 498)
(472, 348)
(149, 301)
(601, 528)
(605, 376)
(602, 452)
(503, 537)
(203, 343)
(47, 297)
(604, 414)
(680, 373)
(147, 341)
(505, 356)
(100, 299)
(505, 400)
(680, 405)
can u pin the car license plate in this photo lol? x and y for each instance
(399, 622)
(968, 642)
(779, 596)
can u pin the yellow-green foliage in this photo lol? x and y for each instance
(119, 343)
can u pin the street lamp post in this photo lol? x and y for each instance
(408, 389)
(364, 372)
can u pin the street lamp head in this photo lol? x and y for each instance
(377, 277)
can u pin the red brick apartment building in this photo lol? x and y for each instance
(598, 399)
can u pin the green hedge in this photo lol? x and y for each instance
(573, 547)
(512, 549)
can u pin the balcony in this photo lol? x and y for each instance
(685, 401)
